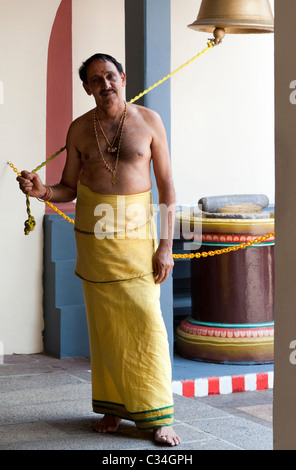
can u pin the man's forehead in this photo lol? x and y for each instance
(100, 67)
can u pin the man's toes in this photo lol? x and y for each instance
(167, 436)
(107, 424)
(177, 441)
(98, 428)
(171, 441)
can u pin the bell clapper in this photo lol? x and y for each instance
(219, 34)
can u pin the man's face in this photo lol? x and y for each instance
(104, 82)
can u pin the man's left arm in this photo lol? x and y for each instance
(163, 259)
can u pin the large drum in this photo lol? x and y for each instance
(232, 293)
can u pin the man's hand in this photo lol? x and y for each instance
(32, 184)
(162, 264)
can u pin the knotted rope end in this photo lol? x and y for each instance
(29, 225)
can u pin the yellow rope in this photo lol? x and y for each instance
(210, 45)
(48, 160)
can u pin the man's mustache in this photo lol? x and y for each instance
(107, 90)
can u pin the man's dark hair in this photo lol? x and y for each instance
(104, 57)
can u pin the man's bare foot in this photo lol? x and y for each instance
(167, 435)
(108, 423)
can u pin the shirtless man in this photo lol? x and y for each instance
(143, 139)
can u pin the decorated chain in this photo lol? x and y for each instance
(241, 246)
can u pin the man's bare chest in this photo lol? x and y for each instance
(133, 144)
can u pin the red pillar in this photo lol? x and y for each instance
(59, 106)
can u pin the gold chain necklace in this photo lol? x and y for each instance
(112, 170)
(111, 147)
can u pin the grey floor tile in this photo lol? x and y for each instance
(29, 383)
(79, 443)
(187, 408)
(19, 433)
(234, 400)
(51, 394)
(19, 365)
(45, 411)
(239, 432)
(263, 412)
(254, 406)
(210, 444)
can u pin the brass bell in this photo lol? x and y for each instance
(234, 17)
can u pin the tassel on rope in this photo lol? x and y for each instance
(30, 222)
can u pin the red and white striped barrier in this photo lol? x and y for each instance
(223, 385)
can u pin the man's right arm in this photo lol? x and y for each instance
(66, 190)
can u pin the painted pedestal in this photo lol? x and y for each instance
(232, 293)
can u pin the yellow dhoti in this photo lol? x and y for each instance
(130, 362)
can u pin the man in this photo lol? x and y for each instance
(109, 151)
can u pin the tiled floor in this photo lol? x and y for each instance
(254, 406)
(45, 404)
